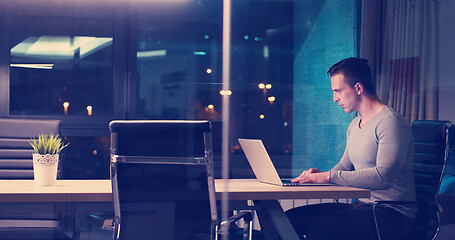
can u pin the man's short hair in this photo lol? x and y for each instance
(354, 70)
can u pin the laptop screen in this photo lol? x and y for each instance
(260, 161)
(262, 165)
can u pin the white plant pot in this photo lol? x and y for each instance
(45, 169)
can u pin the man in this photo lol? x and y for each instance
(378, 156)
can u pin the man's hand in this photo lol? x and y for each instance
(313, 175)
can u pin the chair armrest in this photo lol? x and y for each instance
(396, 202)
(433, 206)
(225, 225)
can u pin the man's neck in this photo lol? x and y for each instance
(370, 106)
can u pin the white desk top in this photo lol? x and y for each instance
(241, 189)
(15, 191)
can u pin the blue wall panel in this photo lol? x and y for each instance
(325, 32)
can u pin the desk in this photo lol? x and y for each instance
(265, 196)
(68, 191)
(65, 191)
(251, 189)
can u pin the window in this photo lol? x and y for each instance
(64, 69)
(280, 52)
(89, 63)
(61, 65)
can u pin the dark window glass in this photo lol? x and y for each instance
(60, 69)
(86, 158)
(179, 61)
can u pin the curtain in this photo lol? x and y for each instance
(399, 39)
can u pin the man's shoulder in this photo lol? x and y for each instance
(391, 114)
(392, 118)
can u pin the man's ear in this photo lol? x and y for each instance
(358, 88)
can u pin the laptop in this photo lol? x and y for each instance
(262, 165)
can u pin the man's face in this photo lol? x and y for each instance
(346, 96)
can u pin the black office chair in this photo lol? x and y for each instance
(432, 141)
(15, 151)
(162, 180)
(16, 163)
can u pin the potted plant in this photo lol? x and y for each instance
(45, 159)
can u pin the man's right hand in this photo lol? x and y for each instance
(306, 172)
(311, 170)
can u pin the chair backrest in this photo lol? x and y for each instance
(431, 148)
(162, 179)
(159, 138)
(15, 151)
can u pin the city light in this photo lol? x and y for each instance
(200, 53)
(268, 86)
(209, 70)
(89, 110)
(261, 116)
(271, 99)
(261, 86)
(65, 107)
(225, 92)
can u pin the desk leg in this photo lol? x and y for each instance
(77, 226)
(273, 220)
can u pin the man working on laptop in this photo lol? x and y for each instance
(378, 156)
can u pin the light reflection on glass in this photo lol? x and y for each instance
(65, 107)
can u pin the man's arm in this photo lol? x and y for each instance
(317, 176)
(394, 138)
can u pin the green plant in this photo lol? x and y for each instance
(48, 144)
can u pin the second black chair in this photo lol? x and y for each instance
(162, 180)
